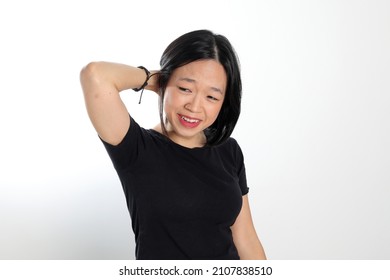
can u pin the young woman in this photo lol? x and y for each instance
(184, 180)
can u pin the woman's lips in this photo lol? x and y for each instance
(188, 121)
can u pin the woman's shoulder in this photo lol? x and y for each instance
(229, 143)
(232, 147)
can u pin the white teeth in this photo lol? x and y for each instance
(189, 120)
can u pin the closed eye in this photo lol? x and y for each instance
(184, 89)
(212, 98)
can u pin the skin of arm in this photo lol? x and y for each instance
(244, 235)
(101, 83)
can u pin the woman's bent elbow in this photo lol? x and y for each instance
(88, 72)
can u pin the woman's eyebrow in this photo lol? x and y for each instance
(185, 79)
(218, 90)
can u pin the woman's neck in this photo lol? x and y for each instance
(196, 141)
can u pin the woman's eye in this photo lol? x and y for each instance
(184, 89)
(212, 98)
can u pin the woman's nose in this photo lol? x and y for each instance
(195, 103)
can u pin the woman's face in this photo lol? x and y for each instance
(193, 98)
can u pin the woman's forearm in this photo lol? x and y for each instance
(118, 76)
(101, 83)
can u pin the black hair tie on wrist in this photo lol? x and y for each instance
(144, 84)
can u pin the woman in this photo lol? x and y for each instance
(184, 180)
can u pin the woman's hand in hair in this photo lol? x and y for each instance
(153, 82)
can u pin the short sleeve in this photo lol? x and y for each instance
(128, 150)
(240, 167)
(242, 179)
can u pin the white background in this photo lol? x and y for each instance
(314, 127)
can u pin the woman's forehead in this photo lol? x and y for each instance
(203, 72)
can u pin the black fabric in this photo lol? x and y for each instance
(182, 201)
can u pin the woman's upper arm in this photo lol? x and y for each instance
(105, 108)
(245, 236)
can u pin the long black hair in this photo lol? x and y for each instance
(200, 45)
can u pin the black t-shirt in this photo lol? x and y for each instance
(182, 201)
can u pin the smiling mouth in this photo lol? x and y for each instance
(189, 122)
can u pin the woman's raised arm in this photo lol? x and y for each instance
(102, 82)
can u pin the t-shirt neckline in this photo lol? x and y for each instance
(173, 143)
